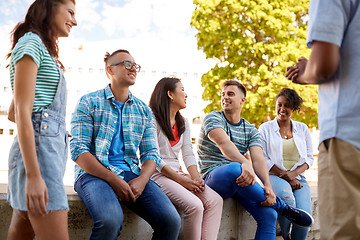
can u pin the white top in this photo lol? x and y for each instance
(272, 144)
(338, 22)
(170, 154)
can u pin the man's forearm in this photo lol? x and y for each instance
(231, 152)
(262, 172)
(259, 164)
(322, 64)
(91, 165)
(226, 146)
(147, 169)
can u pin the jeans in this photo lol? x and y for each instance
(300, 198)
(105, 209)
(223, 180)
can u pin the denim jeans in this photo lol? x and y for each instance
(300, 198)
(223, 180)
(105, 209)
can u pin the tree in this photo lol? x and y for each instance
(254, 42)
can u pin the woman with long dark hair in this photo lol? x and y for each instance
(287, 148)
(38, 155)
(201, 205)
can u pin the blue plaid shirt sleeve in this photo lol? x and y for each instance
(148, 149)
(81, 129)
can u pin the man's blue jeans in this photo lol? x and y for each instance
(105, 209)
(300, 198)
(223, 180)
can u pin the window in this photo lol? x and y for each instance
(1, 131)
(11, 132)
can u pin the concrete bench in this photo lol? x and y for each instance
(236, 223)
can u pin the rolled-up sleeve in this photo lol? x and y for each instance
(187, 150)
(265, 139)
(82, 125)
(155, 126)
(148, 149)
(309, 148)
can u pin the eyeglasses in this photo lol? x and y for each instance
(128, 65)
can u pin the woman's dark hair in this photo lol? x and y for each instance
(293, 99)
(160, 105)
(39, 20)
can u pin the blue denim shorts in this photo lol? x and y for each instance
(51, 148)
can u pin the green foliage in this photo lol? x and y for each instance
(254, 42)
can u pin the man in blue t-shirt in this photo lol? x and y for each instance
(334, 37)
(224, 139)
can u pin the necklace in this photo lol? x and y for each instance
(285, 133)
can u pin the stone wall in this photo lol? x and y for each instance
(236, 223)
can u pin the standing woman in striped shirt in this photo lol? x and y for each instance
(37, 157)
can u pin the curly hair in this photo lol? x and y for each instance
(291, 96)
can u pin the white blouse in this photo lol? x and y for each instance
(170, 154)
(272, 144)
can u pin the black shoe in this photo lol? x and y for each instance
(298, 216)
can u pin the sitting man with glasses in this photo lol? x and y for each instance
(108, 127)
(224, 139)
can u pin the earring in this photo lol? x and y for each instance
(171, 100)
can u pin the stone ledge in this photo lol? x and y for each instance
(236, 223)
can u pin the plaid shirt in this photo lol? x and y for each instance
(93, 125)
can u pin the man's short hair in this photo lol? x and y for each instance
(108, 55)
(234, 83)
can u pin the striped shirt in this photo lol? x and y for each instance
(243, 134)
(93, 126)
(48, 75)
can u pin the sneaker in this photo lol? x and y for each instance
(298, 216)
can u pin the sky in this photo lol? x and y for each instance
(158, 31)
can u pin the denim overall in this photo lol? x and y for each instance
(51, 142)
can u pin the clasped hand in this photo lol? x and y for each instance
(194, 185)
(288, 175)
(294, 73)
(247, 176)
(129, 191)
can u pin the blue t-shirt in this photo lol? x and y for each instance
(116, 151)
(338, 22)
